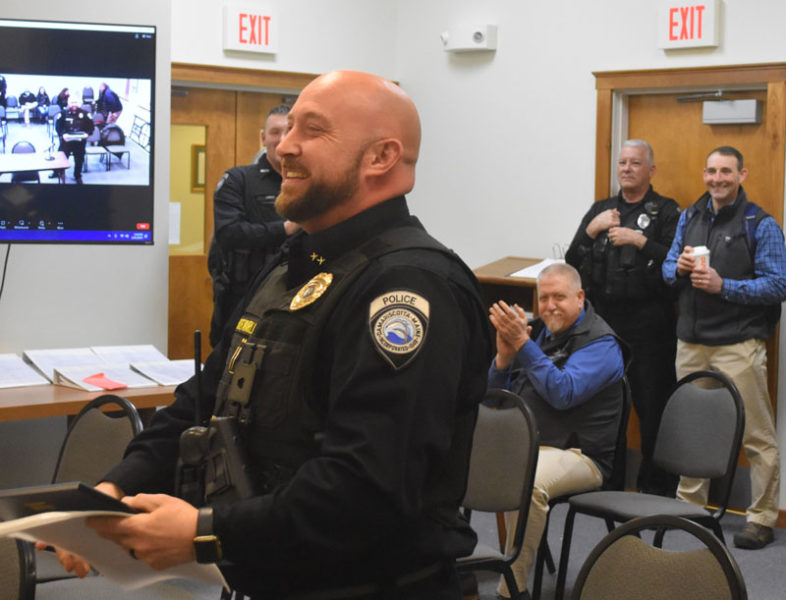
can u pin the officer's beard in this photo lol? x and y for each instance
(319, 197)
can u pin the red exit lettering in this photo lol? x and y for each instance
(254, 29)
(687, 20)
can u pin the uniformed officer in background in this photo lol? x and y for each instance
(355, 374)
(619, 248)
(74, 126)
(248, 230)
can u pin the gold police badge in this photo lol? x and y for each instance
(312, 291)
(398, 321)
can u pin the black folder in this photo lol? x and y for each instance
(73, 496)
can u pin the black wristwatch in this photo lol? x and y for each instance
(206, 544)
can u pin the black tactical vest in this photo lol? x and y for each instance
(611, 273)
(707, 318)
(591, 426)
(268, 378)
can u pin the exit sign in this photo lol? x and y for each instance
(688, 24)
(250, 28)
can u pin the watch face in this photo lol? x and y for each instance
(207, 549)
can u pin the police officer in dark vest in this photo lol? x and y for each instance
(619, 248)
(248, 230)
(352, 377)
(74, 126)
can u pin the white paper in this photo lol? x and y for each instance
(533, 271)
(121, 373)
(128, 354)
(47, 360)
(67, 530)
(15, 372)
(169, 372)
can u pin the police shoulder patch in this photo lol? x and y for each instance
(398, 322)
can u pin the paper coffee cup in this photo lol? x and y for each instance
(702, 256)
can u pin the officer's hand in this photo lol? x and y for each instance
(162, 535)
(686, 261)
(74, 563)
(622, 236)
(606, 220)
(706, 279)
(512, 330)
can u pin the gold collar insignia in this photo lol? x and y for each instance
(312, 291)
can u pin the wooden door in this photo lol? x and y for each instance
(681, 143)
(232, 122)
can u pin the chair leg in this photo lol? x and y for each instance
(610, 525)
(567, 536)
(502, 531)
(543, 557)
(660, 533)
(714, 524)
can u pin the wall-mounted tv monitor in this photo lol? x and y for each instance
(77, 118)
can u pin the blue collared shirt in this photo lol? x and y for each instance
(769, 265)
(586, 372)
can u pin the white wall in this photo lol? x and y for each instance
(315, 35)
(79, 295)
(507, 166)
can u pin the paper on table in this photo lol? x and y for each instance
(128, 354)
(47, 360)
(67, 530)
(79, 377)
(14, 372)
(533, 271)
(168, 372)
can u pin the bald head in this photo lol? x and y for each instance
(353, 142)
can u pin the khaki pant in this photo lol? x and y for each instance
(746, 365)
(559, 472)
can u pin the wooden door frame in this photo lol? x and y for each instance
(232, 78)
(611, 84)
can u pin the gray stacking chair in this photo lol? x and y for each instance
(700, 435)
(625, 567)
(16, 582)
(94, 443)
(501, 474)
(616, 481)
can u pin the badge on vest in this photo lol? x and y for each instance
(398, 321)
(643, 221)
(312, 291)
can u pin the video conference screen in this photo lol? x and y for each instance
(76, 132)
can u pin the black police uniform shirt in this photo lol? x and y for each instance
(352, 513)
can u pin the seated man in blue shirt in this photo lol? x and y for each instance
(566, 366)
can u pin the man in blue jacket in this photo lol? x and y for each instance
(566, 366)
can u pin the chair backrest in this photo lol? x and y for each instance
(503, 458)
(11, 102)
(700, 432)
(96, 440)
(623, 565)
(616, 480)
(2, 112)
(54, 110)
(87, 94)
(15, 579)
(112, 135)
(23, 147)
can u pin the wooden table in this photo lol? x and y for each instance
(497, 284)
(35, 161)
(56, 400)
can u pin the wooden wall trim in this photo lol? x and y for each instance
(603, 144)
(235, 77)
(690, 77)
